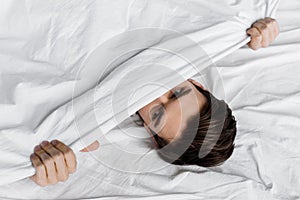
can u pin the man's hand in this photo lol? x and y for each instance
(53, 162)
(263, 32)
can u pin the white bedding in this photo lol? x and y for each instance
(43, 98)
(264, 164)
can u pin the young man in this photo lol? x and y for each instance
(168, 124)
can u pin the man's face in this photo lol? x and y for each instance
(168, 115)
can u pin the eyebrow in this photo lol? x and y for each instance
(158, 121)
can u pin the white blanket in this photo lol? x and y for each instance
(32, 94)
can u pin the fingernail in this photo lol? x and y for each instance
(54, 142)
(36, 148)
(44, 143)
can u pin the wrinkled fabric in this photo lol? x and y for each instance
(50, 52)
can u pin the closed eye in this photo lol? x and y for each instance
(180, 92)
(159, 111)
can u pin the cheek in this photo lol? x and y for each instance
(144, 112)
(189, 106)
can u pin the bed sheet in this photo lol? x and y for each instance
(263, 88)
(50, 85)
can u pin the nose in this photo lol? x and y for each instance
(164, 98)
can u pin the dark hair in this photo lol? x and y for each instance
(208, 139)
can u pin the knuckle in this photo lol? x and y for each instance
(256, 39)
(260, 24)
(269, 25)
(268, 21)
(263, 26)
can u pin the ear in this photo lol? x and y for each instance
(92, 147)
(196, 83)
(151, 135)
